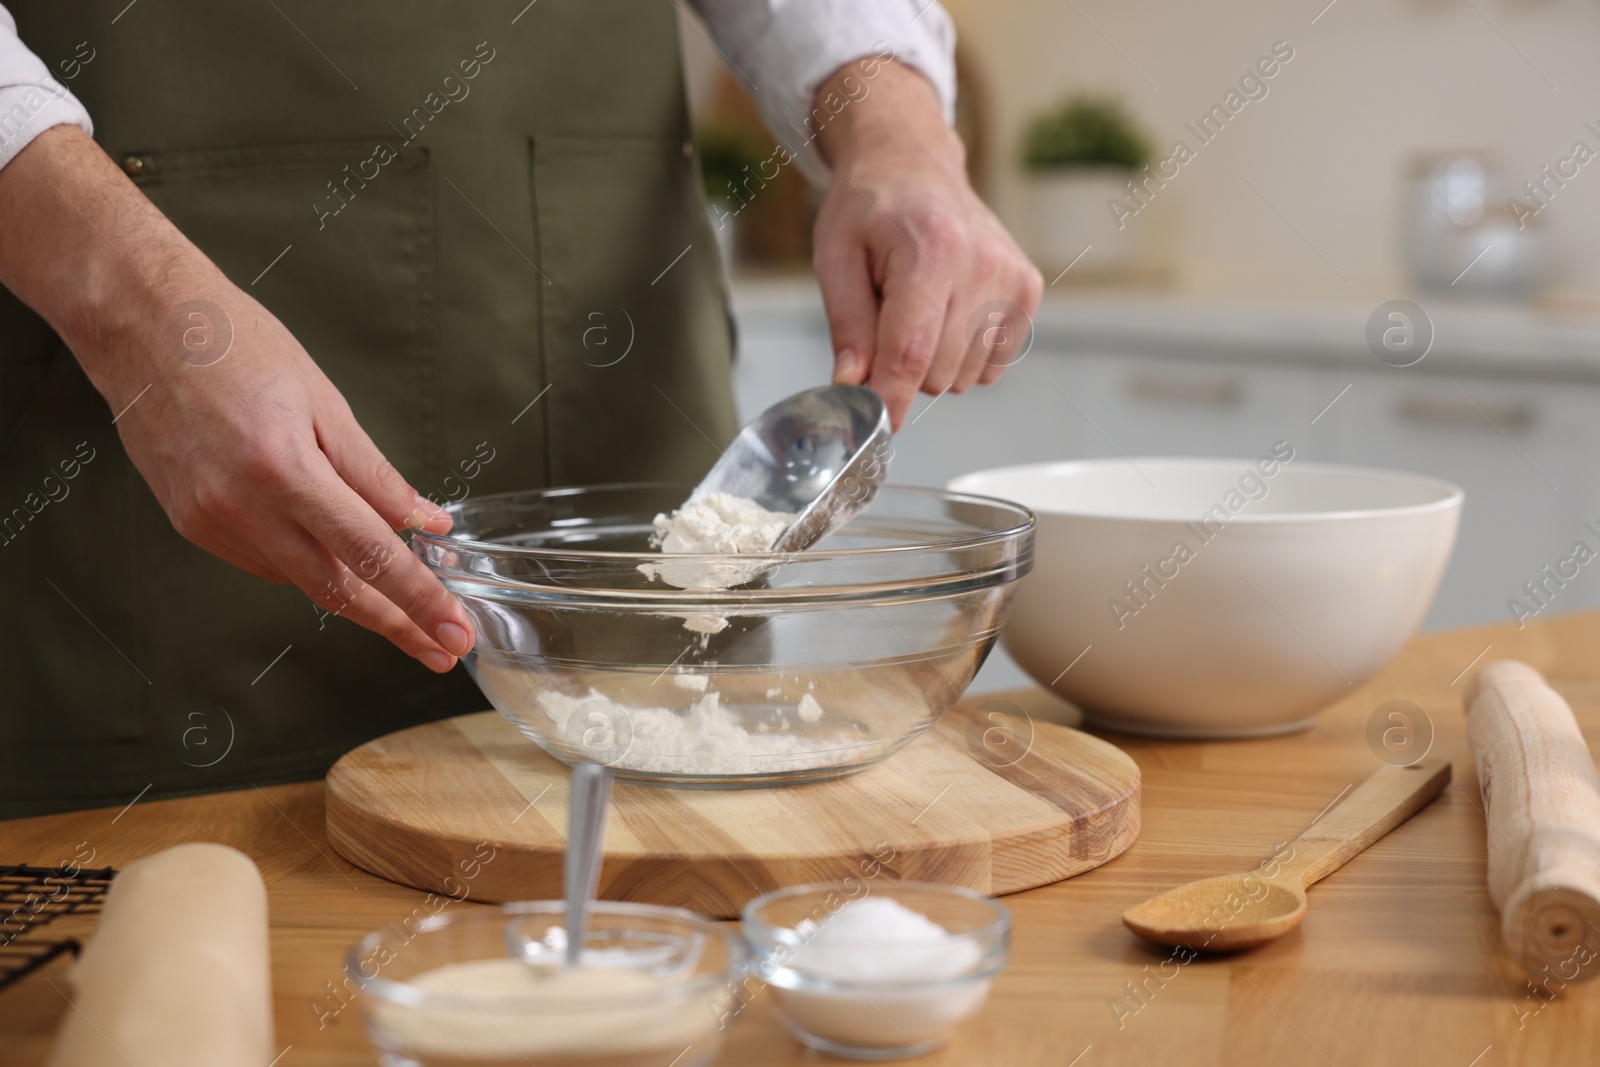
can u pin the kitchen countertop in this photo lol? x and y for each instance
(1471, 336)
(1398, 960)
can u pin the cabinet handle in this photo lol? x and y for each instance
(1461, 414)
(1185, 389)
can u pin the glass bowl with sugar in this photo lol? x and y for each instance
(884, 971)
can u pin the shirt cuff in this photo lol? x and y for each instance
(31, 101)
(26, 111)
(803, 46)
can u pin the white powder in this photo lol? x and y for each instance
(713, 525)
(504, 1009)
(702, 622)
(886, 955)
(706, 738)
(879, 939)
(670, 727)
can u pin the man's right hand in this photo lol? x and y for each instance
(255, 457)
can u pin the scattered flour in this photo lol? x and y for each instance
(716, 524)
(706, 738)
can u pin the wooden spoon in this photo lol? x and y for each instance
(1234, 911)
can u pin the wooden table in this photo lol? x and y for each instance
(1398, 961)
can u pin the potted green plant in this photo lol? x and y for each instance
(1078, 157)
(731, 158)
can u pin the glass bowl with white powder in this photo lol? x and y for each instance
(461, 988)
(871, 970)
(604, 641)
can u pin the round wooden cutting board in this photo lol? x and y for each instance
(469, 807)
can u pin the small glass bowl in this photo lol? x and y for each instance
(872, 997)
(669, 988)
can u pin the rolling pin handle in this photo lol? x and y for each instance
(1541, 801)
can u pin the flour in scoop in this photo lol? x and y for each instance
(716, 524)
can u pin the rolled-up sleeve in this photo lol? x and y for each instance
(783, 50)
(31, 101)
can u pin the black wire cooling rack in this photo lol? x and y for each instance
(34, 897)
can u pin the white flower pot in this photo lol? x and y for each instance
(1070, 212)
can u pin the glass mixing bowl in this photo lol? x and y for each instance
(824, 663)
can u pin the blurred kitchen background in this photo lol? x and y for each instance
(1432, 151)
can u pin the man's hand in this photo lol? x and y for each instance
(923, 286)
(255, 457)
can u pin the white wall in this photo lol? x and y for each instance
(1372, 81)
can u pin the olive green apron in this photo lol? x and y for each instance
(482, 220)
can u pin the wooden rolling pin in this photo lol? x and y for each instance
(176, 974)
(1541, 799)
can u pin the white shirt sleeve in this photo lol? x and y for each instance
(782, 50)
(31, 101)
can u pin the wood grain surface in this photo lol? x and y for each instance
(1045, 804)
(1399, 963)
(1247, 908)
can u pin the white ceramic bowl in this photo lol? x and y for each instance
(1219, 597)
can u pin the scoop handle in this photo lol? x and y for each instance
(588, 806)
(1387, 798)
(1541, 800)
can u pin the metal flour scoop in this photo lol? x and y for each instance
(819, 455)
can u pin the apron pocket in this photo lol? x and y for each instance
(337, 240)
(179, 629)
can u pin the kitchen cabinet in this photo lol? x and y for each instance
(1507, 405)
(1520, 450)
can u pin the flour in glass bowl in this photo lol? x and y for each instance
(704, 739)
(698, 722)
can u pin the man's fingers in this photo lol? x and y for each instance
(225, 546)
(349, 529)
(852, 306)
(202, 528)
(915, 297)
(977, 357)
(993, 340)
(339, 592)
(950, 356)
(374, 478)
(1027, 287)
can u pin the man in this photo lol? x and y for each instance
(313, 246)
